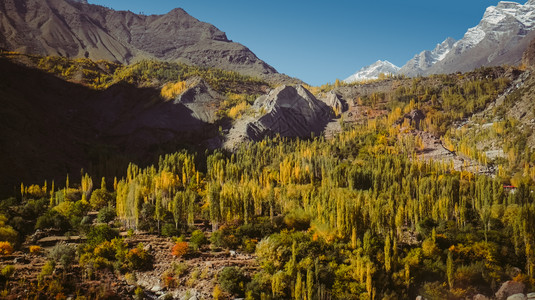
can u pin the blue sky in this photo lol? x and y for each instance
(320, 41)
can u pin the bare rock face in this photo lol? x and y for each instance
(200, 99)
(75, 29)
(528, 58)
(480, 297)
(288, 111)
(509, 288)
(291, 112)
(335, 102)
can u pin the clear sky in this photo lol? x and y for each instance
(320, 41)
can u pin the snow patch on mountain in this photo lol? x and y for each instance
(373, 71)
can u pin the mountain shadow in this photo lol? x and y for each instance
(51, 127)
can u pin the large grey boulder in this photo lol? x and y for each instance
(288, 111)
(518, 296)
(480, 297)
(509, 288)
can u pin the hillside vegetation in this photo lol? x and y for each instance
(353, 217)
(357, 216)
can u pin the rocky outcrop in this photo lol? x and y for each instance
(480, 297)
(200, 99)
(509, 288)
(337, 104)
(528, 58)
(288, 111)
(76, 29)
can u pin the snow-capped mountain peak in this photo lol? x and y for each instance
(442, 49)
(499, 38)
(504, 18)
(425, 59)
(373, 71)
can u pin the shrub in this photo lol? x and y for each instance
(8, 270)
(139, 293)
(47, 269)
(6, 248)
(106, 215)
(63, 253)
(429, 247)
(101, 233)
(216, 294)
(250, 245)
(138, 258)
(297, 219)
(105, 250)
(231, 280)
(231, 241)
(100, 198)
(179, 269)
(197, 239)
(180, 249)
(193, 277)
(130, 278)
(35, 250)
(168, 279)
(170, 230)
(7, 233)
(217, 238)
(53, 219)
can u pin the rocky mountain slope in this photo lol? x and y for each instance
(528, 58)
(500, 38)
(373, 71)
(76, 29)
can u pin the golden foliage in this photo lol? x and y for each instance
(171, 90)
(237, 111)
(6, 248)
(35, 249)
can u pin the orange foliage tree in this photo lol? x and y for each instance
(180, 249)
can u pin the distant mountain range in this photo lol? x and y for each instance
(501, 37)
(76, 29)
